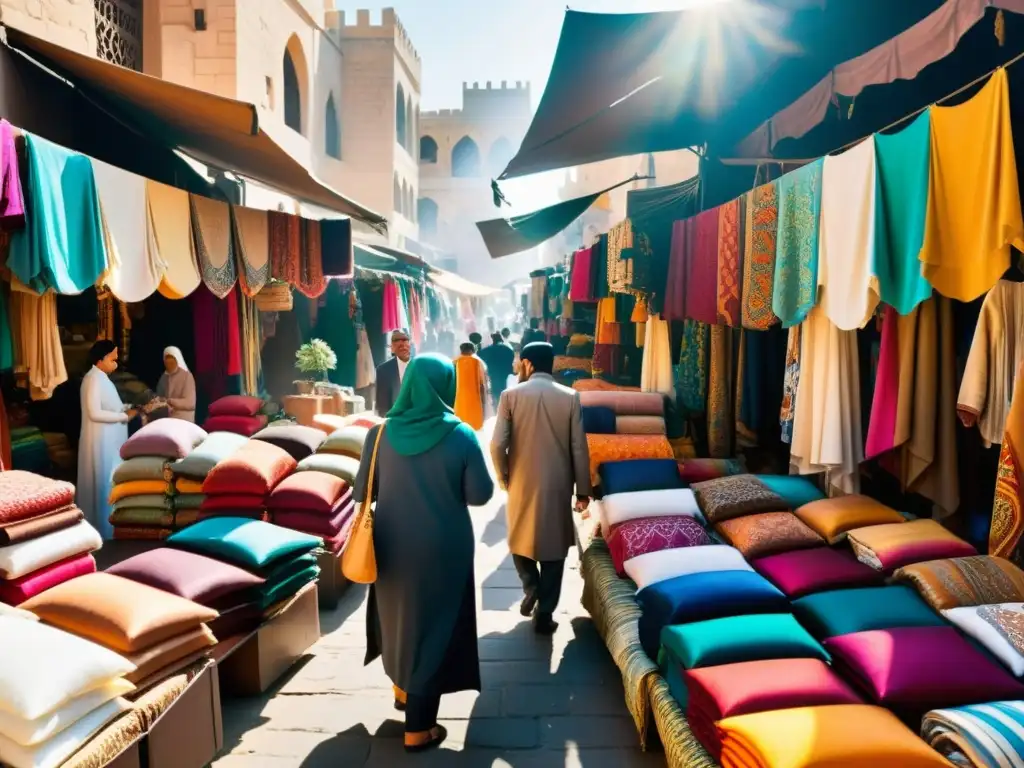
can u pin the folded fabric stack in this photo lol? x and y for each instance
(143, 497)
(602, 420)
(189, 473)
(623, 426)
(239, 414)
(238, 485)
(979, 735)
(44, 538)
(347, 441)
(56, 692)
(285, 559)
(317, 503)
(156, 631)
(300, 442)
(29, 451)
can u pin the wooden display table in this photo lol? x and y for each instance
(304, 407)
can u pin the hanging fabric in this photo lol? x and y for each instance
(169, 237)
(693, 367)
(656, 374)
(37, 351)
(252, 248)
(974, 213)
(761, 224)
(211, 235)
(639, 317)
(607, 328)
(759, 386)
(683, 236)
(721, 424)
(620, 269)
(790, 385)
(729, 263)
(1008, 511)
(311, 280)
(6, 342)
(295, 253)
(12, 199)
(600, 267)
(391, 315)
(218, 343)
(796, 255)
(580, 286)
(250, 337)
(336, 247)
(702, 273)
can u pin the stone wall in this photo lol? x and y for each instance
(70, 23)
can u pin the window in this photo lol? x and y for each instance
(410, 120)
(500, 155)
(398, 196)
(406, 207)
(428, 150)
(400, 127)
(466, 159)
(426, 212)
(292, 94)
(332, 130)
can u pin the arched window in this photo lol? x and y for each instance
(414, 134)
(466, 159)
(405, 200)
(400, 116)
(295, 81)
(410, 120)
(426, 212)
(428, 150)
(332, 130)
(398, 196)
(500, 154)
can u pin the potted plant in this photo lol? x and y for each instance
(315, 358)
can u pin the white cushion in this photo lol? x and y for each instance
(17, 613)
(652, 567)
(970, 623)
(17, 560)
(28, 733)
(56, 751)
(42, 667)
(670, 502)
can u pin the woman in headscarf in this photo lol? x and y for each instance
(177, 386)
(104, 430)
(421, 614)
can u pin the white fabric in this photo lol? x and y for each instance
(16, 613)
(617, 508)
(28, 733)
(652, 567)
(847, 277)
(169, 238)
(656, 372)
(42, 668)
(970, 623)
(176, 354)
(56, 751)
(17, 560)
(104, 431)
(402, 365)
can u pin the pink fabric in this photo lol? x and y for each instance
(882, 424)
(312, 491)
(653, 534)
(580, 288)
(169, 438)
(218, 341)
(247, 426)
(236, 405)
(702, 273)
(12, 199)
(806, 571)
(392, 314)
(314, 523)
(18, 591)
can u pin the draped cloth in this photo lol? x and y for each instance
(683, 233)
(974, 213)
(608, 331)
(250, 338)
(729, 263)
(721, 423)
(285, 236)
(211, 234)
(790, 384)
(37, 351)
(693, 367)
(796, 254)
(980, 735)
(252, 248)
(1007, 512)
(702, 269)
(336, 247)
(656, 372)
(169, 239)
(761, 225)
(12, 198)
(620, 269)
(218, 342)
(580, 286)
(311, 280)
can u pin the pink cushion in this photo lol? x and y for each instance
(806, 571)
(18, 591)
(239, 425)
(168, 438)
(254, 469)
(195, 577)
(316, 524)
(312, 491)
(235, 405)
(653, 534)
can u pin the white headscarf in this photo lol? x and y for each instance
(176, 354)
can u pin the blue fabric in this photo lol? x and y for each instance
(598, 420)
(247, 543)
(795, 491)
(672, 671)
(639, 475)
(703, 596)
(843, 611)
(735, 639)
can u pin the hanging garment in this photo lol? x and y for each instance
(295, 252)
(639, 318)
(974, 213)
(1008, 511)
(901, 204)
(12, 199)
(761, 224)
(656, 375)
(104, 431)
(61, 246)
(538, 296)
(169, 237)
(683, 233)
(721, 422)
(211, 234)
(600, 267)
(996, 352)
(729, 263)
(846, 251)
(37, 350)
(336, 247)
(218, 343)
(390, 315)
(796, 251)
(693, 367)
(620, 269)
(580, 286)
(311, 280)
(702, 273)
(759, 386)
(252, 248)
(366, 372)
(790, 385)
(608, 331)
(250, 333)
(826, 422)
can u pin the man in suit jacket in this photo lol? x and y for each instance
(390, 373)
(541, 458)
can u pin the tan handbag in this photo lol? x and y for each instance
(358, 559)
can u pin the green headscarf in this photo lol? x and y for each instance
(423, 415)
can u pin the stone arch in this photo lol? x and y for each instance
(466, 158)
(499, 155)
(296, 85)
(332, 129)
(428, 150)
(401, 129)
(426, 212)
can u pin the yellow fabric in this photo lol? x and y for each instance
(974, 213)
(608, 331)
(140, 488)
(169, 239)
(183, 485)
(469, 378)
(832, 518)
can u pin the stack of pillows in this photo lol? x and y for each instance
(317, 503)
(238, 485)
(239, 414)
(624, 427)
(340, 453)
(189, 473)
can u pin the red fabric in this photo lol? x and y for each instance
(702, 269)
(254, 469)
(580, 286)
(314, 523)
(248, 514)
(236, 405)
(26, 494)
(17, 591)
(653, 534)
(218, 341)
(247, 426)
(233, 501)
(310, 491)
(675, 288)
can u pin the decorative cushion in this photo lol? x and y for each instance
(247, 543)
(997, 628)
(605, 449)
(169, 438)
(234, 501)
(965, 581)
(141, 468)
(285, 588)
(298, 440)
(316, 523)
(235, 405)
(832, 518)
(618, 508)
(25, 494)
(767, 533)
(828, 614)
(653, 567)
(639, 475)
(138, 488)
(146, 501)
(162, 655)
(17, 560)
(117, 612)
(888, 547)
(626, 403)
(914, 669)
(344, 467)
(17, 591)
(640, 425)
(740, 638)
(194, 577)
(347, 441)
(42, 668)
(185, 486)
(598, 420)
(729, 497)
(28, 733)
(698, 470)
(254, 469)
(653, 534)
(56, 750)
(794, 490)
(806, 571)
(208, 454)
(316, 492)
(329, 422)
(239, 425)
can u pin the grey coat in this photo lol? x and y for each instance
(540, 455)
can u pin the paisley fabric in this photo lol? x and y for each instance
(769, 533)
(653, 534)
(796, 255)
(1009, 624)
(620, 270)
(211, 233)
(693, 366)
(311, 281)
(1007, 514)
(613, 448)
(295, 255)
(790, 384)
(761, 227)
(727, 497)
(729, 263)
(965, 581)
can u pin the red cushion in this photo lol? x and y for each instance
(316, 524)
(653, 534)
(18, 591)
(239, 425)
(308, 491)
(233, 501)
(254, 469)
(235, 405)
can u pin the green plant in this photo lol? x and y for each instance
(316, 356)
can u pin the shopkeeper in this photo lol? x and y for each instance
(177, 386)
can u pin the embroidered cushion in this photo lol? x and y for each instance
(208, 454)
(795, 491)
(598, 420)
(828, 614)
(832, 518)
(236, 405)
(665, 564)
(639, 475)
(347, 441)
(169, 438)
(729, 497)
(653, 534)
(767, 533)
(807, 571)
(999, 628)
(965, 581)
(344, 467)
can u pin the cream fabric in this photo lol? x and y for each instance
(55, 751)
(671, 502)
(169, 239)
(28, 733)
(656, 373)
(970, 623)
(17, 560)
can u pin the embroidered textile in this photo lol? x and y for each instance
(702, 272)
(721, 425)
(963, 582)
(211, 232)
(791, 384)
(729, 267)
(693, 366)
(252, 247)
(796, 256)
(761, 226)
(620, 269)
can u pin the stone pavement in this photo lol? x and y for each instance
(546, 703)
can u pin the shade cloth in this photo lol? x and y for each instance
(891, 546)
(982, 735)
(828, 614)
(965, 581)
(806, 571)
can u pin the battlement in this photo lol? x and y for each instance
(342, 27)
(489, 86)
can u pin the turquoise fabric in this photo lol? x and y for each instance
(284, 589)
(423, 415)
(844, 611)
(6, 345)
(61, 246)
(795, 491)
(796, 246)
(901, 202)
(247, 543)
(741, 638)
(672, 671)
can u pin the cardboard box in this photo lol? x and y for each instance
(190, 733)
(254, 664)
(332, 582)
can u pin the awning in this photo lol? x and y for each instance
(452, 282)
(626, 84)
(220, 132)
(366, 257)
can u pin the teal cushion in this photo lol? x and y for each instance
(741, 638)
(247, 543)
(796, 491)
(844, 611)
(285, 588)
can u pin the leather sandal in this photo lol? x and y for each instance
(437, 736)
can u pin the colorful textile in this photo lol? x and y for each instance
(843, 611)
(790, 385)
(141, 468)
(698, 470)
(999, 629)
(666, 564)
(762, 223)
(795, 491)
(974, 212)
(12, 198)
(310, 492)
(767, 533)
(640, 425)
(965, 581)
(17, 591)
(979, 735)
(626, 403)
(142, 517)
(653, 534)
(892, 546)
(796, 256)
(683, 233)
(139, 488)
(470, 379)
(620, 269)
(621, 507)
(702, 269)
(580, 285)
(615, 448)
(249, 544)
(255, 468)
(729, 497)
(806, 571)
(252, 246)
(721, 420)
(735, 639)
(832, 518)
(169, 239)
(729, 263)
(211, 233)
(167, 438)
(693, 367)
(656, 368)
(34, 527)
(314, 523)
(247, 426)
(24, 495)
(638, 474)
(598, 420)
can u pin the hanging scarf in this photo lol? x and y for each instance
(790, 385)
(796, 254)
(1008, 512)
(169, 239)
(424, 413)
(693, 365)
(702, 274)
(312, 282)
(620, 269)
(729, 268)
(720, 402)
(761, 225)
(12, 199)
(211, 233)
(252, 248)
(336, 247)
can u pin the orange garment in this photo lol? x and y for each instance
(469, 379)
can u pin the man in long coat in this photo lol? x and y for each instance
(541, 458)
